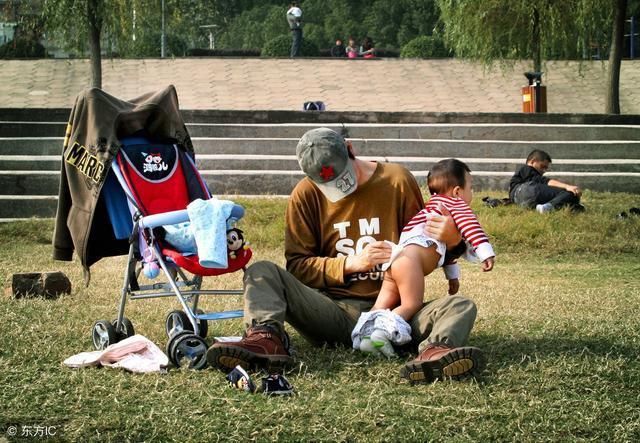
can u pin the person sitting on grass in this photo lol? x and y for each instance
(530, 189)
(337, 219)
(418, 254)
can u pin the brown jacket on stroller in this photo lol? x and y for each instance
(97, 122)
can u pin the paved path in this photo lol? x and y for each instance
(444, 85)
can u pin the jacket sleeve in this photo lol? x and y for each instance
(62, 241)
(302, 245)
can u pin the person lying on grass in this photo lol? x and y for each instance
(337, 219)
(529, 188)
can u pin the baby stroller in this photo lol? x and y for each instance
(147, 190)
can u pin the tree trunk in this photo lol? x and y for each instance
(535, 42)
(612, 105)
(95, 28)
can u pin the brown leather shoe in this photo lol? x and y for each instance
(262, 346)
(440, 362)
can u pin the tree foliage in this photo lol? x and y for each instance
(425, 46)
(490, 30)
(22, 48)
(79, 24)
(281, 47)
(390, 23)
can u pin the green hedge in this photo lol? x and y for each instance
(22, 48)
(425, 46)
(223, 52)
(281, 47)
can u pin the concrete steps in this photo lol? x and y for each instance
(442, 148)
(14, 164)
(258, 158)
(451, 131)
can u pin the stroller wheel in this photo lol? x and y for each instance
(103, 334)
(126, 328)
(176, 322)
(189, 350)
(172, 340)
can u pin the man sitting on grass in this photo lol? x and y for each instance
(529, 188)
(337, 219)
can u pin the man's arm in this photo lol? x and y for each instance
(373, 254)
(443, 228)
(571, 188)
(302, 243)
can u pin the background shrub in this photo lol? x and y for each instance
(281, 47)
(425, 46)
(224, 52)
(22, 48)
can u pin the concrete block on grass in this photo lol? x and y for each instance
(48, 285)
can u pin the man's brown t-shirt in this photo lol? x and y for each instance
(320, 234)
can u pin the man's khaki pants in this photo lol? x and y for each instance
(274, 295)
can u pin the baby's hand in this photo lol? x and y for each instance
(487, 265)
(454, 285)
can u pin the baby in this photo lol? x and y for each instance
(417, 255)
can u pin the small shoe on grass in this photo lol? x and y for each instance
(276, 384)
(543, 209)
(377, 344)
(239, 378)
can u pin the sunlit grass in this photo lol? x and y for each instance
(558, 320)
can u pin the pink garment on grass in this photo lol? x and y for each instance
(135, 354)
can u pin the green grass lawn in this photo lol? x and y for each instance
(559, 320)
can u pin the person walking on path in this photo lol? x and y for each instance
(294, 18)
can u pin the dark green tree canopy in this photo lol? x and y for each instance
(490, 30)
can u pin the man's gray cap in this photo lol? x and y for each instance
(324, 158)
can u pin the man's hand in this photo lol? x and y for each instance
(373, 254)
(487, 265)
(443, 228)
(454, 286)
(574, 190)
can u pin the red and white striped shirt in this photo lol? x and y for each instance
(464, 218)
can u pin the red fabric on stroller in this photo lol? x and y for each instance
(160, 178)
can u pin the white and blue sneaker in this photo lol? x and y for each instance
(543, 209)
(377, 343)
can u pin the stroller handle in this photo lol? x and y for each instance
(175, 217)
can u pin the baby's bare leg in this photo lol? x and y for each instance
(389, 297)
(408, 272)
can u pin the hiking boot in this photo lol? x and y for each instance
(440, 362)
(262, 346)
